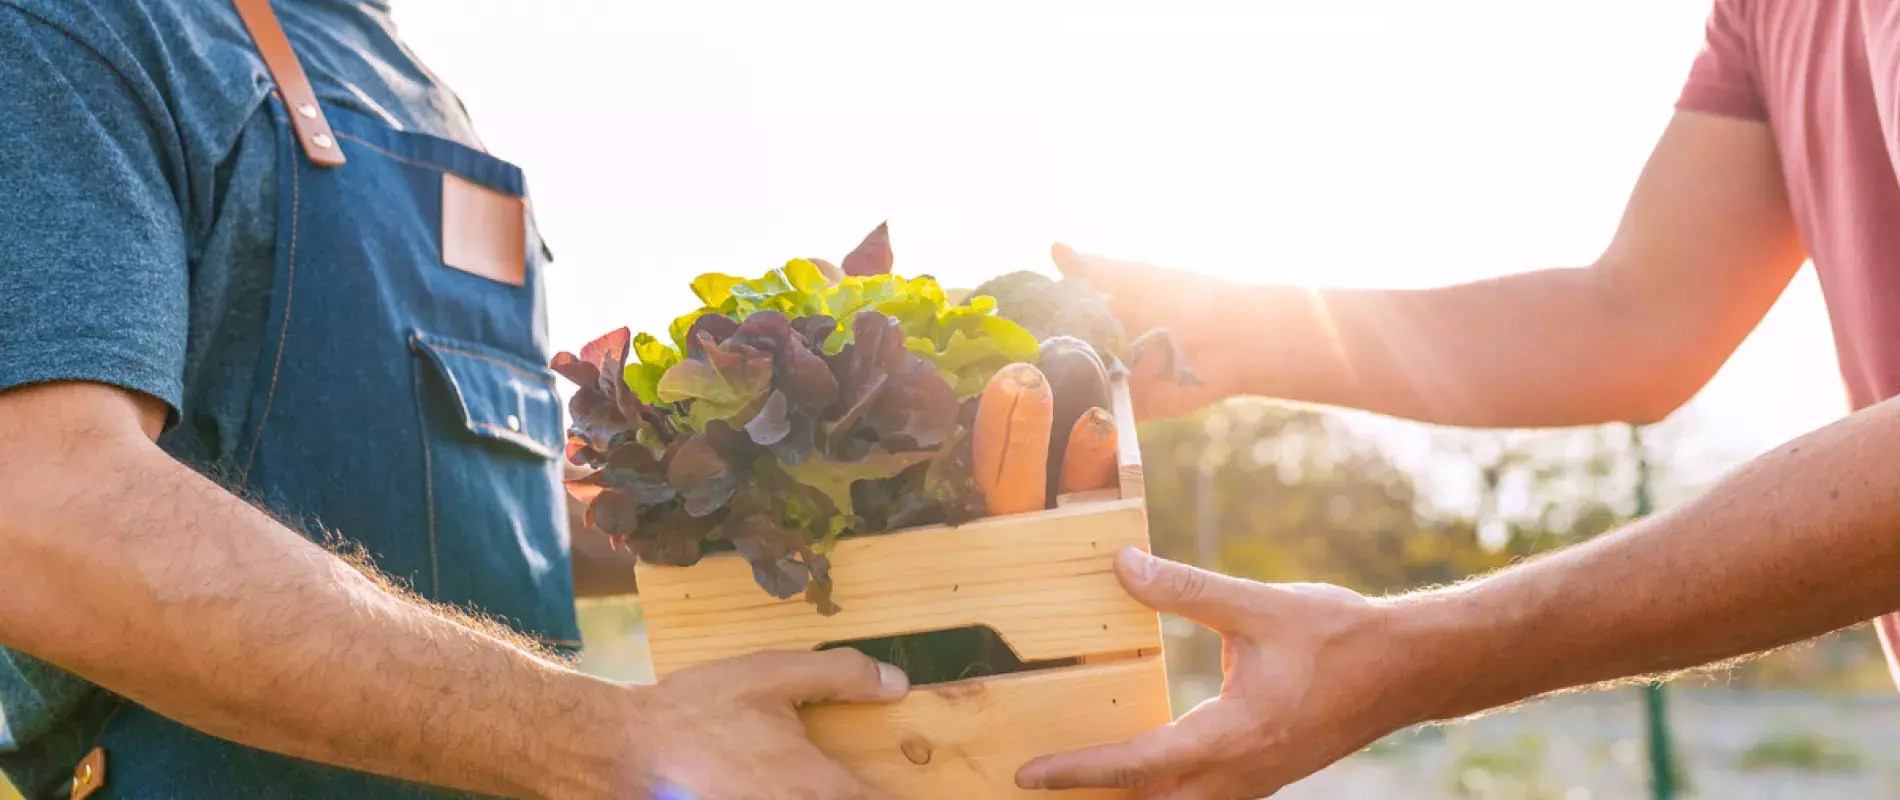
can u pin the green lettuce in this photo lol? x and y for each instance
(785, 411)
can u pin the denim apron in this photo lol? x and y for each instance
(404, 409)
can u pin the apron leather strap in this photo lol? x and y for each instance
(89, 776)
(306, 116)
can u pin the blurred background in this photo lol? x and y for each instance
(1350, 143)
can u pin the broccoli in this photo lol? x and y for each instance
(1071, 307)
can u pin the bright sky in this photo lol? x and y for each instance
(1353, 142)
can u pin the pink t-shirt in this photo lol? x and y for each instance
(1825, 76)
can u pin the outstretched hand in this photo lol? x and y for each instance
(1308, 679)
(1145, 297)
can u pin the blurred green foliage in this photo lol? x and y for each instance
(1291, 493)
(615, 634)
(1513, 771)
(1802, 751)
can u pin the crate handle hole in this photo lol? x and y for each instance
(952, 654)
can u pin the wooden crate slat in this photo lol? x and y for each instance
(971, 736)
(1045, 581)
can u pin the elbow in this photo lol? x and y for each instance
(1607, 403)
(1642, 382)
(1652, 354)
(1653, 408)
(1653, 381)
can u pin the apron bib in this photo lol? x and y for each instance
(403, 408)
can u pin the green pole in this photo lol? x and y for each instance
(1662, 772)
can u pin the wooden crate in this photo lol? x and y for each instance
(1044, 581)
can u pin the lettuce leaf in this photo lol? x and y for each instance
(655, 359)
(797, 371)
(873, 255)
(722, 382)
(786, 411)
(901, 399)
(606, 413)
(835, 478)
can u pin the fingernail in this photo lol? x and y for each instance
(1029, 777)
(893, 680)
(1139, 564)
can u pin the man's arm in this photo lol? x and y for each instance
(1798, 543)
(130, 569)
(1795, 544)
(1705, 246)
(134, 571)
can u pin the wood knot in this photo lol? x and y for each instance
(916, 749)
(958, 691)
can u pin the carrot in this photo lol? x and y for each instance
(1089, 461)
(1010, 443)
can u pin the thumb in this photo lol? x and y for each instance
(842, 675)
(1071, 263)
(1104, 274)
(1131, 286)
(1217, 601)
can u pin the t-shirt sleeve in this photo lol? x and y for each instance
(93, 270)
(1722, 79)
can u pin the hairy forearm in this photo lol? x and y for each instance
(139, 574)
(1796, 544)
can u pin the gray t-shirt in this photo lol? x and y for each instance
(138, 213)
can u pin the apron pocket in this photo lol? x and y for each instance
(498, 396)
(497, 514)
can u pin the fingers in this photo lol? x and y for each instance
(840, 783)
(1145, 760)
(849, 787)
(1209, 598)
(833, 275)
(1153, 759)
(1211, 785)
(841, 676)
(1069, 262)
(873, 793)
(1159, 396)
(1104, 274)
(1134, 285)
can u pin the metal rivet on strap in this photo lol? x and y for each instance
(323, 141)
(514, 423)
(85, 774)
(306, 110)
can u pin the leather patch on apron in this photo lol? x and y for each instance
(484, 232)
